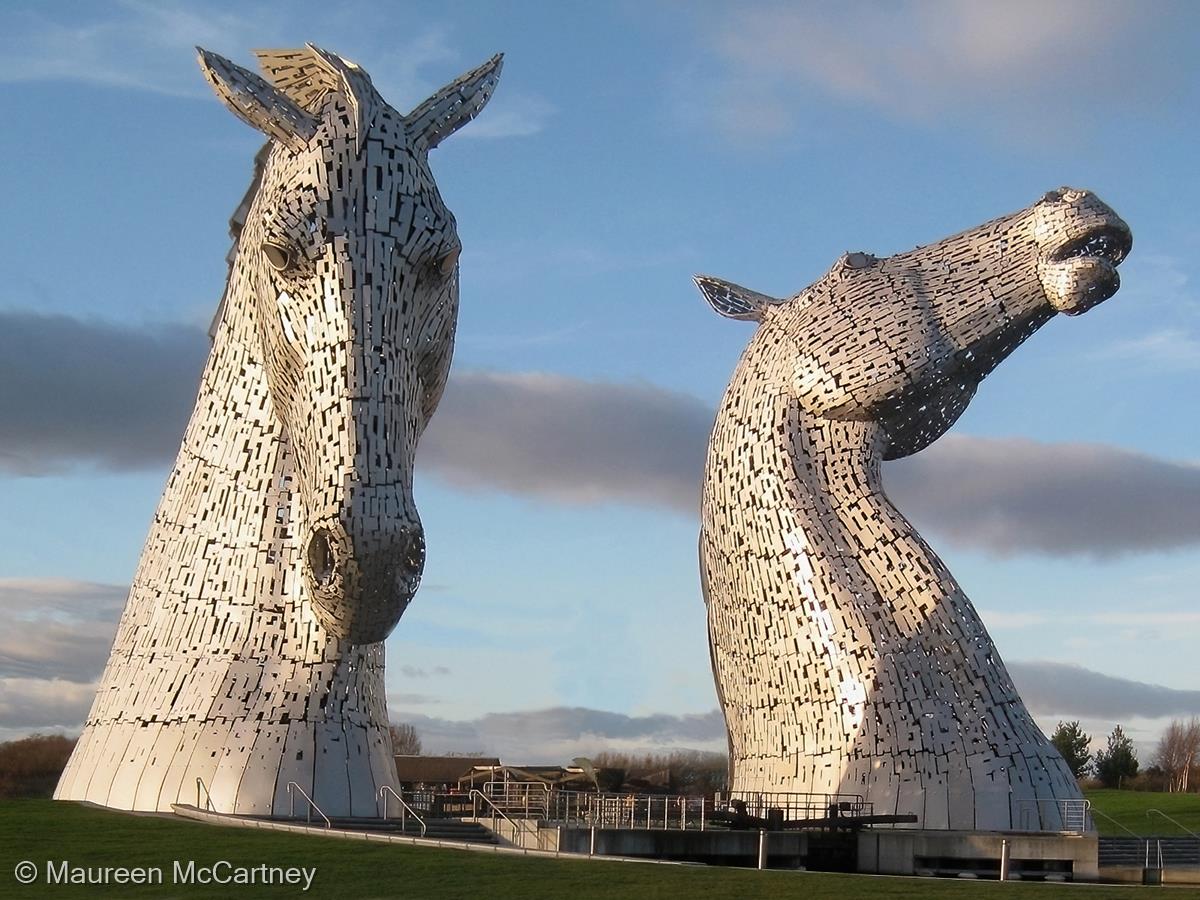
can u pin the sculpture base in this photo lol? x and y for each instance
(977, 854)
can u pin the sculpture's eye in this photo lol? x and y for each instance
(1052, 196)
(857, 260)
(278, 255)
(447, 262)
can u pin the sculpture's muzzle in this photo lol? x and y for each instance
(361, 582)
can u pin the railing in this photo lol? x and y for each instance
(1072, 815)
(654, 812)
(644, 812)
(1096, 812)
(208, 804)
(802, 805)
(291, 785)
(529, 800)
(518, 826)
(405, 809)
(1177, 824)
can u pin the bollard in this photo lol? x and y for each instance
(1004, 860)
(592, 844)
(762, 848)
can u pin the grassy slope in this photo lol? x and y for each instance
(1129, 808)
(38, 830)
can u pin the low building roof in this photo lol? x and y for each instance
(438, 769)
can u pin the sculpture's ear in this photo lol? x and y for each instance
(454, 105)
(732, 300)
(257, 103)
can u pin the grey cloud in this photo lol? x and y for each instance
(56, 629)
(75, 392)
(1067, 690)
(568, 440)
(553, 735)
(1012, 495)
(30, 704)
(575, 441)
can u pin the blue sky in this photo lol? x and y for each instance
(629, 145)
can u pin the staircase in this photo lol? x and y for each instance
(436, 829)
(1177, 852)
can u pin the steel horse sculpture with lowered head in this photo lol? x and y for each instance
(847, 659)
(287, 545)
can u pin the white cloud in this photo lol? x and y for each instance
(138, 45)
(550, 736)
(1036, 67)
(510, 114)
(150, 46)
(1168, 349)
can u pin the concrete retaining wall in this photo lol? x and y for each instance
(909, 852)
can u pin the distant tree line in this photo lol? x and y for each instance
(31, 766)
(1175, 765)
(693, 773)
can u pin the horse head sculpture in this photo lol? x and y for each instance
(905, 340)
(287, 544)
(350, 262)
(846, 657)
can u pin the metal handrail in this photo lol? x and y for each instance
(207, 796)
(517, 793)
(311, 804)
(1096, 812)
(625, 810)
(1069, 811)
(404, 808)
(1158, 844)
(477, 794)
(1177, 824)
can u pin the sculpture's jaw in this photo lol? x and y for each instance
(1082, 271)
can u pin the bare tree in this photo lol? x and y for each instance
(405, 740)
(1178, 749)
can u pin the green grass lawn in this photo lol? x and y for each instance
(1130, 809)
(41, 830)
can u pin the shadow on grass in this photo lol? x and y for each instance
(41, 830)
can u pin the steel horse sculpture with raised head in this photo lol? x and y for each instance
(847, 658)
(287, 545)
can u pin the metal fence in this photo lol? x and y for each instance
(661, 811)
(666, 812)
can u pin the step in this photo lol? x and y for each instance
(436, 829)
(1176, 851)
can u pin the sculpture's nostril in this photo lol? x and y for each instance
(412, 562)
(321, 560)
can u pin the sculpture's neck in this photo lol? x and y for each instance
(853, 527)
(222, 543)
(825, 476)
